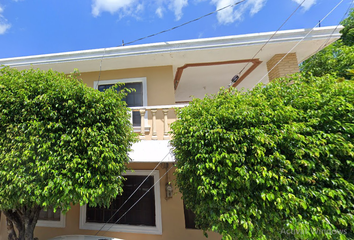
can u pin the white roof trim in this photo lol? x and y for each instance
(175, 46)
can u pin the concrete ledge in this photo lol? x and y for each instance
(151, 151)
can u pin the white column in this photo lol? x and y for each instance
(165, 135)
(154, 134)
(142, 129)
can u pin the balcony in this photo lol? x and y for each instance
(155, 121)
(154, 125)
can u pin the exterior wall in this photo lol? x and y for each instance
(173, 226)
(160, 89)
(3, 231)
(288, 65)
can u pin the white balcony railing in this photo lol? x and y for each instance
(157, 119)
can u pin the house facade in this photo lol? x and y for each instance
(166, 76)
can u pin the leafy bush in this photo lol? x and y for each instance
(61, 143)
(272, 163)
(338, 57)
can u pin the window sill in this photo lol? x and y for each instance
(121, 228)
(52, 224)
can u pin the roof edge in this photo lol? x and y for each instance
(331, 32)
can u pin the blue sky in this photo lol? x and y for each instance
(31, 27)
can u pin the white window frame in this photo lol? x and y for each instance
(129, 228)
(54, 224)
(129, 80)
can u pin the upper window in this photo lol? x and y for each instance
(133, 99)
(143, 217)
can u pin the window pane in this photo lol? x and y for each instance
(189, 218)
(133, 99)
(143, 213)
(49, 215)
(102, 88)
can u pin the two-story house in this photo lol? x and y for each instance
(165, 75)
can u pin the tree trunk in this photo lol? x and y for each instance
(10, 230)
(25, 220)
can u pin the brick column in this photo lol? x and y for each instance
(287, 66)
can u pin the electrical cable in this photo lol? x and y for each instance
(139, 39)
(325, 43)
(167, 30)
(99, 73)
(183, 24)
(169, 152)
(272, 36)
(298, 43)
(140, 198)
(231, 5)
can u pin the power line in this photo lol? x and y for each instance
(99, 73)
(325, 43)
(237, 77)
(167, 30)
(99, 76)
(132, 194)
(139, 39)
(231, 5)
(139, 199)
(183, 24)
(298, 42)
(272, 36)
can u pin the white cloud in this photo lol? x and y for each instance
(159, 12)
(176, 6)
(230, 15)
(136, 8)
(4, 26)
(130, 7)
(256, 5)
(307, 4)
(113, 6)
(139, 8)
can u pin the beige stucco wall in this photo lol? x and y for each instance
(173, 226)
(288, 65)
(3, 235)
(160, 90)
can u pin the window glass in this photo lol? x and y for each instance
(142, 214)
(133, 99)
(49, 215)
(189, 218)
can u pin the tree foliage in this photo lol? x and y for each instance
(61, 143)
(272, 163)
(348, 30)
(338, 57)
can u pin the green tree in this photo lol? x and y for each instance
(272, 163)
(348, 31)
(338, 57)
(61, 143)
